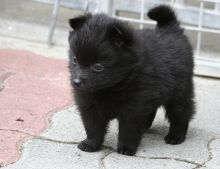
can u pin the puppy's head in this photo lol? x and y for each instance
(101, 52)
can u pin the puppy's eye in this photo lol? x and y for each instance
(97, 67)
(74, 60)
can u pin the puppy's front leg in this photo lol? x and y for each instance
(95, 127)
(131, 130)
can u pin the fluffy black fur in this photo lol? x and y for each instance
(119, 72)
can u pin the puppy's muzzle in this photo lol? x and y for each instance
(77, 82)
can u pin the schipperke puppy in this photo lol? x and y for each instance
(124, 73)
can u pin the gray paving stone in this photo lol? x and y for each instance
(39, 154)
(208, 105)
(115, 161)
(66, 126)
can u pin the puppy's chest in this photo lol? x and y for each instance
(110, 105)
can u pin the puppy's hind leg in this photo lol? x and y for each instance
(179, 112)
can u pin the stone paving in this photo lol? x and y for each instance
(54, 146)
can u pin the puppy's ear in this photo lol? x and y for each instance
(120, 34)
(77, 22)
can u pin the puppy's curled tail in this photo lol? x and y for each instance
(164, 15)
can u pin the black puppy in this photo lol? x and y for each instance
(119, 72)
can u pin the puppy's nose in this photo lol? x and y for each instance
(77, 82)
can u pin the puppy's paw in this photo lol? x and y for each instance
(126, 150)
(88, 146)
(174, 139)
